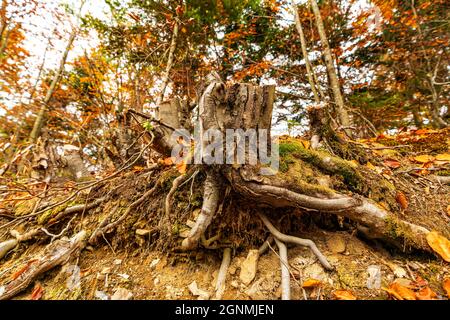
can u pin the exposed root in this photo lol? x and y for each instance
(57, 254)
(285, 275)
(76, 209)
(112, 225)
(176, 184)
(7, 246)
(221, 277)
(303, 242)
(265, 246)
(211, 194)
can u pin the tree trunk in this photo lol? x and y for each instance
(165, 78)
(309, 69)
(39, 122)
(334, 82)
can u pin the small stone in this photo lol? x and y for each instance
(249, 266)
(122, 294)
(156, 281)
(232, 269)
(142, 232)
(117, 261)
(100, 276)
(154, 263)
(196, 291)
(124, 276)
(101, 295)
(336, 244)
(374, 278)
(235, 284)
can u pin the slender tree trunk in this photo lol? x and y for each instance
(309, 70)
(165, 79)
(334, 82)
(39, 122)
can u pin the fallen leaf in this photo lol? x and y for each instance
(426, 294)
(446, 286)
(400, 292)
(448, 210)
(370, 166)
(311, 283)
(37, 292)
(306, 143)
(182, 167)
(424, 158)
(439, 244)
(443, 157)
(401, 199)
(343, 295)
(420, 282)
(392, 163)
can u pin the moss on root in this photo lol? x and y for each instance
(291, 150)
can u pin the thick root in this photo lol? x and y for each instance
(211, 196)
(221, 277)
(285, 275)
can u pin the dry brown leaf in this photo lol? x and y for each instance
(424, 158)
(439, 244)
(446, 286)
(400, 292)
(343, 295)
(426, 294)
(392, 163)
(401, 199)
(448, 210)
(311, 283)
(38, 292)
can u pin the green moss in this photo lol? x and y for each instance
(51, 213)
(397, 230)
(291, 149)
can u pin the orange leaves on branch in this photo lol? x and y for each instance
(401, 199)
(343, 295)
(439, 244)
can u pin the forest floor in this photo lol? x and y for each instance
(130, 259)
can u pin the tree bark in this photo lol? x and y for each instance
(40, 120)
(165, 79)
(334, 82)
(309, 69)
